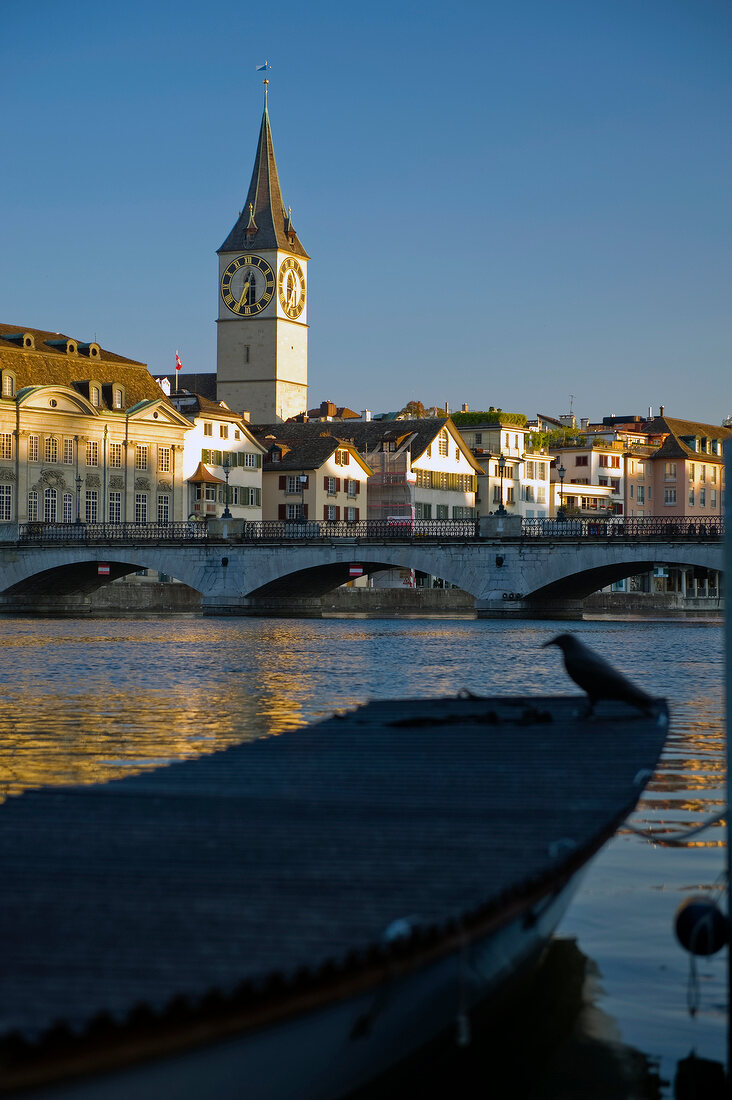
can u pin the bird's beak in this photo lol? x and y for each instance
(552, 641)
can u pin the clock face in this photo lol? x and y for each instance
(247, 285)
(291, 287)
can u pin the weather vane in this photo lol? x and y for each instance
(264, 69)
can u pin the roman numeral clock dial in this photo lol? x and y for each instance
(291, 287)
(247, 285)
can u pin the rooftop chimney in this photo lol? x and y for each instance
(660, 410)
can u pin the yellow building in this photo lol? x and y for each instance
(85, 435)
(310, 474)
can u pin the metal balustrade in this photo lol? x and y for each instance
(439, 530)
(111, 532)
(621, 527)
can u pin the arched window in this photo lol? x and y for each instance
(8, 385)
(50, 501)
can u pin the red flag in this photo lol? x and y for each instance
(178, 364)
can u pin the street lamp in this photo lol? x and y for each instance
(226, 514)
(561, 474)
(501, 511)
(303, 483)
(78, 498)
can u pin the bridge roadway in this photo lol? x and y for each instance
(529, 569)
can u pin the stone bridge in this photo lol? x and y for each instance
(509, 569)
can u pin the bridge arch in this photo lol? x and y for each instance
(76, 571)
(586, 575)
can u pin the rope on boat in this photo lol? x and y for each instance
(677, 837)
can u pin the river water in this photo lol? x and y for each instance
(94, 699)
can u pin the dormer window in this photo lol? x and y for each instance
(94, 395)
(8, 384)
(275, 455)
(117, 398)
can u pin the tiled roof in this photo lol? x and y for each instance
(303, 446)
(369, 435)
(337, 412)
(687, 427)
(264, 223)
(673, 445)
(49, 364)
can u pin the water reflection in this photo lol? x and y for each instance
(549, 1041)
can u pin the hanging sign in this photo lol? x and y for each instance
(102, 569)
(355, 571)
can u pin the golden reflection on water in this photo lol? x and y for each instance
(688, 786)
(80, 727)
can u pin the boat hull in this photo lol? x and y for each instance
(329, 1053)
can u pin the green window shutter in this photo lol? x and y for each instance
(205, 455)
(258, 497)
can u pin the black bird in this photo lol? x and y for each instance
(598, 678)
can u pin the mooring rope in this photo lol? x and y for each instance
(676, 837)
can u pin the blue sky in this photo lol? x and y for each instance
(505, 203)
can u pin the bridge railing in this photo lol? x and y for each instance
(249, 531)
(442, 529)
(663, 527)
(439, 530)
(111, 532)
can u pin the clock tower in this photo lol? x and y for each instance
(262, 339)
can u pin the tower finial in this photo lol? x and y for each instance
(264, 68)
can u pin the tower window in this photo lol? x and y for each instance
(246, 353)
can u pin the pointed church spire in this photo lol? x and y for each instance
(264, 210)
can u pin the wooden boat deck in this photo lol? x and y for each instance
(287, 858)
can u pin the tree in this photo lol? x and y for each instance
(414, 410)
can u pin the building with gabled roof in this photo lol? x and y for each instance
(686, 466)
(309, 473)
(421, 468)
(85, 435)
